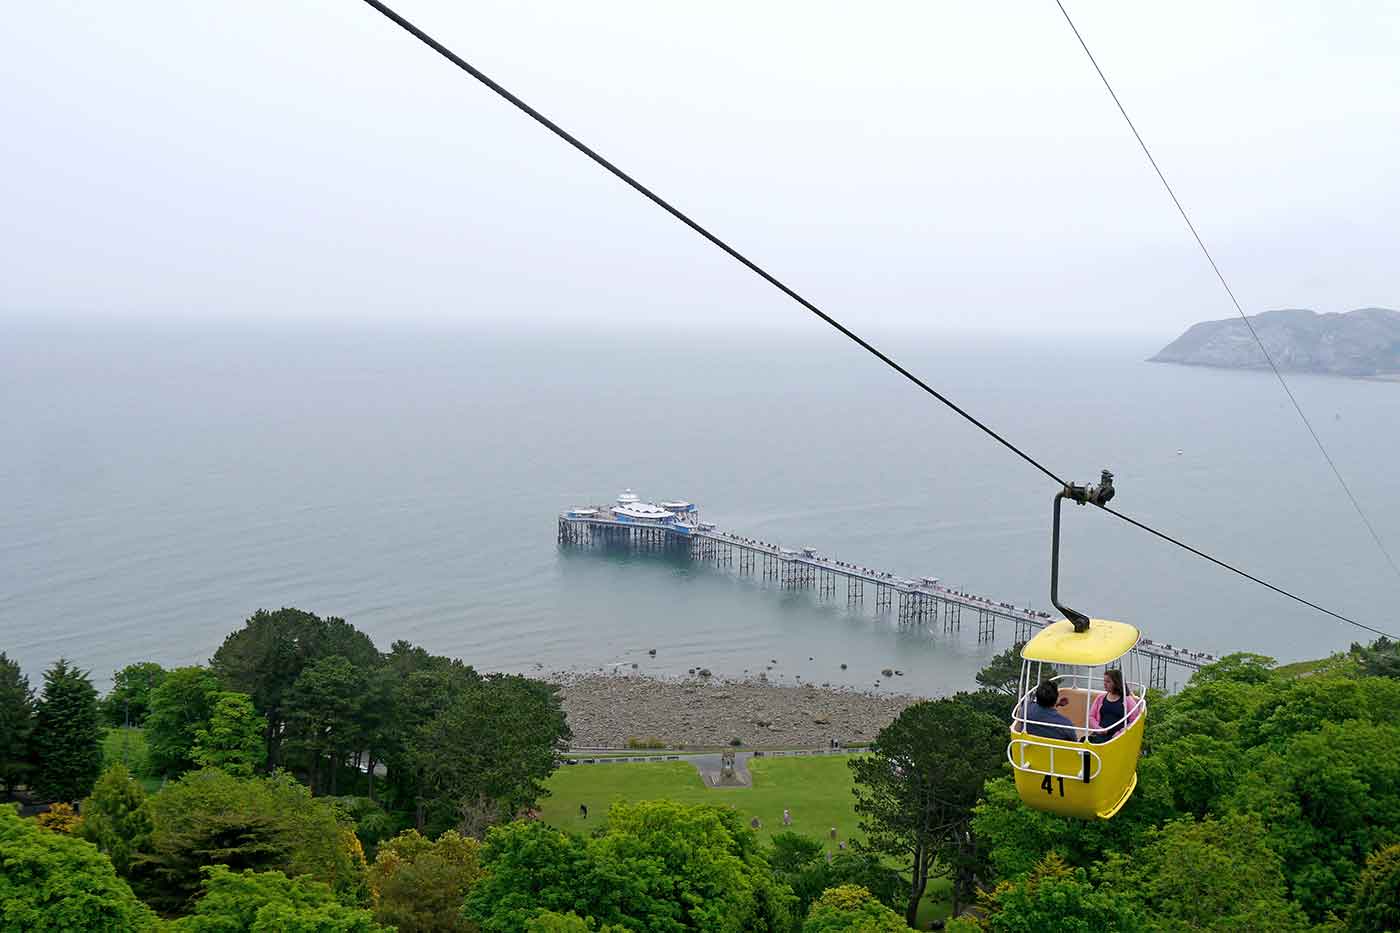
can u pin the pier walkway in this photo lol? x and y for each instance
(924, 600)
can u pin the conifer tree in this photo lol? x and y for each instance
(115, 817)
(67, 738)
(16, 723)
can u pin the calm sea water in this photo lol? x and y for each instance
(160, 482)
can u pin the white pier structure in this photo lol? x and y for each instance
(675, 526)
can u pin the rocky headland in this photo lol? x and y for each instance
(609, 711)
(1363, 344)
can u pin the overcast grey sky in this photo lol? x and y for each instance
(933, 165)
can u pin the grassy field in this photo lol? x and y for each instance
(816, 790)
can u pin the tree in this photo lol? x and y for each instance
(209, 817)
(270, 902)
(852, 909)
(67, 737)
(1212, 875)
(265, 657)
(233, 740)
(1242, 667)
(60, 818)
(1055, 897)
(1381, 658)
(52, 882)
(530, 867)
(1012, 837)
(1329, 798)
(698, 865)
(419, 885)
(179, 708)
(1003, 672)
(800, 863)
(323, 717)
(1375, 905)
(115, 818)
(418, 695)
(550, 921)
(657, 866)
(790, 852)
(129, 700)
(16, 723)
(997, 705)
(496, 743)
(916, 789)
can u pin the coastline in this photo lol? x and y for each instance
(609, 710)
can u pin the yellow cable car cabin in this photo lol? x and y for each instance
(1074, 750)
(1074, 747)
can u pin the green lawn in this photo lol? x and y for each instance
(816, 790)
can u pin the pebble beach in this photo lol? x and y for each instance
(611, 710)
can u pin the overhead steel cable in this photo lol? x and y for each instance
(1248, 576)
(762, 273)
(1229, 291)
(692, 224)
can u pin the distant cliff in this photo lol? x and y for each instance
(1364, 343)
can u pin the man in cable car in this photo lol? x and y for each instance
(1044, 720)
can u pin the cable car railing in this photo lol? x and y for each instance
(1081, 682)
(1088, 764)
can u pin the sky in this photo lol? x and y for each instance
(934, 166)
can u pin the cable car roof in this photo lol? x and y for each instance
(1059, 643)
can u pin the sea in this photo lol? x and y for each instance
(162, 479)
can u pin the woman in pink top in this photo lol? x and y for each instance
(1106, 718)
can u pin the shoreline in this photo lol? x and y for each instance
(609, 710)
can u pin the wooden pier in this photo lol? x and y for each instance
(924, 601)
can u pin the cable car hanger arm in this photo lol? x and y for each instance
(1096, 495)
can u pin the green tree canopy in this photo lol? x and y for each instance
(1375, 905)
(916, 789)
(496, 742)
(1052, 896)
(1328, 798)
(209, 817)
(801, 863)
(421, 689)
(265, 657)
(1213, 875)
(270, 902)
(1242, 667)
(851, 909)
(179, 708)
(658, 866)
(419, 884)
(234, 737)
(16, 723)
(52, 883)
(67, 738)
(115, 817)
(1003, 672)
(1381, 658)
(550, 921)
(129, 700)
(530, 867)
(324, 714)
